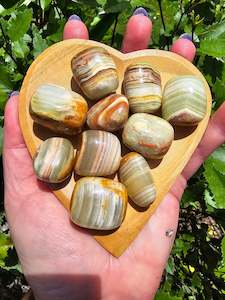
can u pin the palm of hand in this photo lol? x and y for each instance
(63, 263)
(57, 251)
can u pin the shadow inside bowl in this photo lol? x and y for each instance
(182, 132)
(44, 133)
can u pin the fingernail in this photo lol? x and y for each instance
(74, 17)
(13, 93)
(186, 36)
(140, 11)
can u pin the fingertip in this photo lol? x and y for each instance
(185, 48)
(12, 132)
(11, 105)
(75, 29)
(137, 34)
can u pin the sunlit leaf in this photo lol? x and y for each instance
(216, 181)
(215, 48)
(20, 48)
(214, 31)
(6, 85)
(5, 244)
(39, 44)
(19, 24)
(45, 3)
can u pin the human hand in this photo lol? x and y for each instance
(63, 263)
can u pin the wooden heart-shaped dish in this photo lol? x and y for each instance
(54, 66)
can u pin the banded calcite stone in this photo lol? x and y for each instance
(184, 101)
(142, 86)
(98, 203)
(58, 109)
(95, 72)
(99, 154)
(109, 114)
(135, 174)
(54, 160)
(149, 135)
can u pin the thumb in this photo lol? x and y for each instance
(12, 134)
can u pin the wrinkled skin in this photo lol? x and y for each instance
(63, 263)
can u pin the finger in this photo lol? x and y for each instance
(75, 29)
(18, 168)
(184, 47)
(213, 138)
(12, 133)
(138, 32)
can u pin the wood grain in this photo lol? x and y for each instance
(54, 66)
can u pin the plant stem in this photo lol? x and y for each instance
(183, 12)
(114, 31)
(161, 14)
(181, 17)
(163, 23)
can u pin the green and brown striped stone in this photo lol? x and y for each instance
(135, 174)
(149, 135)
(54, 160)
(98, 203)
(95, 72)
(99, 155)
(184, 101)
(109, 114)
(58, 109)
(142, 86)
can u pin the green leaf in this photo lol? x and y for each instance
(116, 6)
(223, 249)
(219, 91)
(57, 34)
(6, 85)
(170, 267)
(161, 295)
(209, 200)
(1, 140)
(189, 199)
(215, 48)
(19, 24)
(219, 165)
(2, 9)
(183, 244)
(20, 48)
(45, 4)
(100, 29)
(216, 181)
(101, 2)
(219, 153)
(5, 244)
(214, 31)
(39, 44)
(92, 3)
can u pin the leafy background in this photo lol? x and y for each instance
(196, 267)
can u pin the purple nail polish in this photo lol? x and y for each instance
(140, 11)
(13, 93)
(186, 36)
(74, 17)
